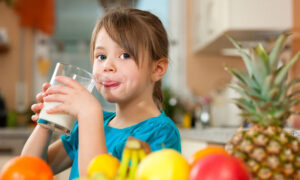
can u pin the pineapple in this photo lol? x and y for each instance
(267, 100)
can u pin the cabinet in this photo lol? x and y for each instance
(246, 20)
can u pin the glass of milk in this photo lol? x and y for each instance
(64, 123)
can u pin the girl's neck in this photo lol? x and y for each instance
(133, 112)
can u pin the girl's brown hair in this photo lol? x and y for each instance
(139, 33)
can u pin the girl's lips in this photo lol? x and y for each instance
(110, 84)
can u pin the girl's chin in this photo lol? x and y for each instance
(110, 98)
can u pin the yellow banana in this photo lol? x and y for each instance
(133, 153)
(134, 164)
(124, 164)
(142, 154)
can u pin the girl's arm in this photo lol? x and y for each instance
(91, 139)
(58, 158)
(37, 145)
(38, 142)
(78, 102)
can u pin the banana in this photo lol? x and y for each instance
(134, 164)
(142, 154)
(133, 153)
(124, 164)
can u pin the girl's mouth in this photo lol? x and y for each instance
(110, 84)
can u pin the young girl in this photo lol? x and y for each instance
(129, 52)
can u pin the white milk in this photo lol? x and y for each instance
(66, 121)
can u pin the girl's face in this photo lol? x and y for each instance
(118, 77)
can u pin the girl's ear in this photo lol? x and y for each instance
(159, 69)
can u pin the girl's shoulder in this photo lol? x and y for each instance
(156, 124)
(159, 132)
(161, 121)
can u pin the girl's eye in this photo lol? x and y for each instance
(101, 57)
(125, 56)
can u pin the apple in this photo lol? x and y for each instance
(166, 164)
(219, 167)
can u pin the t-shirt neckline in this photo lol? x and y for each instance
(132, 126)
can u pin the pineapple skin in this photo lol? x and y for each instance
(269, 152)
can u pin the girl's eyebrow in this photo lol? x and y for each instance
(100, 47)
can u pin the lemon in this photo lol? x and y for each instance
(104, 163)
(166, 164)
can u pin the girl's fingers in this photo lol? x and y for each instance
(45, 86)
(54, 98)
(39, 97)
(68, 81)
(58, 89)
(145, 145)
(37, 107)
(35, 117)
(56, 109)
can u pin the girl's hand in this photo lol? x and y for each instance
(75, 99)
(36, 108)
(145, 145)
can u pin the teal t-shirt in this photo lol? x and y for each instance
(159, 132)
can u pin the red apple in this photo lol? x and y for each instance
(219, 167)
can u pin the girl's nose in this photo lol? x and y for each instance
(109, 66)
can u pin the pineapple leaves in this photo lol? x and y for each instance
(266, 95)
(267, 85)
(263, 55)
(244, 78)
(248, 94)
(245, 105)
(293, 103)
(260, 69)
(244, 55)
(292, 83)
(240, 91)
(276, 51)
(293, 94)
(283, 72)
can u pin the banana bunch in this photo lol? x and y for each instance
(133, 153)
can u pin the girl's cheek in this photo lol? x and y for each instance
(95, 67)
(98, 87)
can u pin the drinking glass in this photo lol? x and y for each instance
(60, 122)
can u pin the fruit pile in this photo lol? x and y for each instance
(167, 164)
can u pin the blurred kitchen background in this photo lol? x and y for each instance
(35, 34)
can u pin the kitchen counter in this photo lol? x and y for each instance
(12, 140)
(218, 135)
(192, 140)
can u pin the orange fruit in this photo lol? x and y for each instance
(205, 152)
(26, 168)
(104, 163)
(166, 164)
